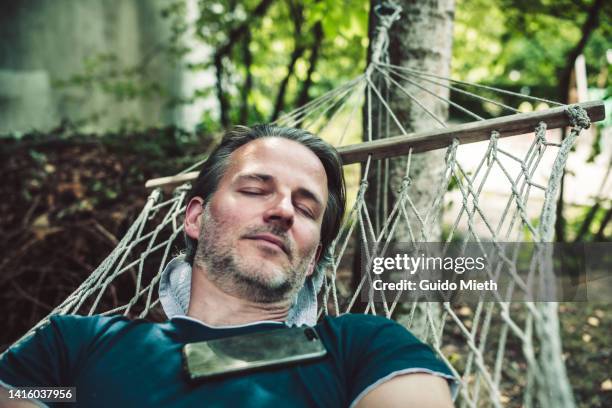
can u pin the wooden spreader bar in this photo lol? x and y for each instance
(472, 132)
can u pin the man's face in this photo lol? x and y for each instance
(260, 231)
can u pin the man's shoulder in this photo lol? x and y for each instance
(360, 317)
(75, 319)
(94, 322)
(365, 327)
(94, 326)
(362, 321)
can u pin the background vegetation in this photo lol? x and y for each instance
(70, 194)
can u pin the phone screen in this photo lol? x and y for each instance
(252, 351)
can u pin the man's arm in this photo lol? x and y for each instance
(6, 402)
(46, 357)
(409, 390)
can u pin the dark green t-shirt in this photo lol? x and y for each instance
(116, 362)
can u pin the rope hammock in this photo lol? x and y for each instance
(499, 351)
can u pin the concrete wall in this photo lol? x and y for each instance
(42, 41)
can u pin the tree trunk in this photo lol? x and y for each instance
(420, 39)
(590, 24)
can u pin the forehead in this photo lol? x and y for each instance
(283, 159)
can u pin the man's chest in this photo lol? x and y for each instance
(154, 376)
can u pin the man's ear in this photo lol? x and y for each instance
(314, 261)
(193, 217)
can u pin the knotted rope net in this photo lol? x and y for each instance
(498, 190)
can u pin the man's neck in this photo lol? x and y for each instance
(211, 305)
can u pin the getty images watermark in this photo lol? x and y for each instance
(468, 272)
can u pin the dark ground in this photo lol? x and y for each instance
(68, 201)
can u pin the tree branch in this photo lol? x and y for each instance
(586, 223)
(247, 58)
(223, 102)
(237, 32)
(298, 51)
(303, 97)
(234, 35)
(599, 237)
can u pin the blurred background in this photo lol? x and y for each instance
(98, 96)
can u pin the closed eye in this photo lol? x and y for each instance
(252, 192)
(306, 212)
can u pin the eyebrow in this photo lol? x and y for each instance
(266, 178)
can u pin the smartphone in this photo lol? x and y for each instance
(231, 355)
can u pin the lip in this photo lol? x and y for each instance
(270, 238)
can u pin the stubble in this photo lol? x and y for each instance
(242, 277)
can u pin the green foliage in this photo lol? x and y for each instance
(275, 36)
(515, 44)
(591, 224)
(524, 44)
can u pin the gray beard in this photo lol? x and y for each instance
(226, 270)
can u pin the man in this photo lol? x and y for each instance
(259, 223)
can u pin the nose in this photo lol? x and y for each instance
(280, 213)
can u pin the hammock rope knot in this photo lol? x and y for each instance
(406, 182)
(578, 117)
(493, 148)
